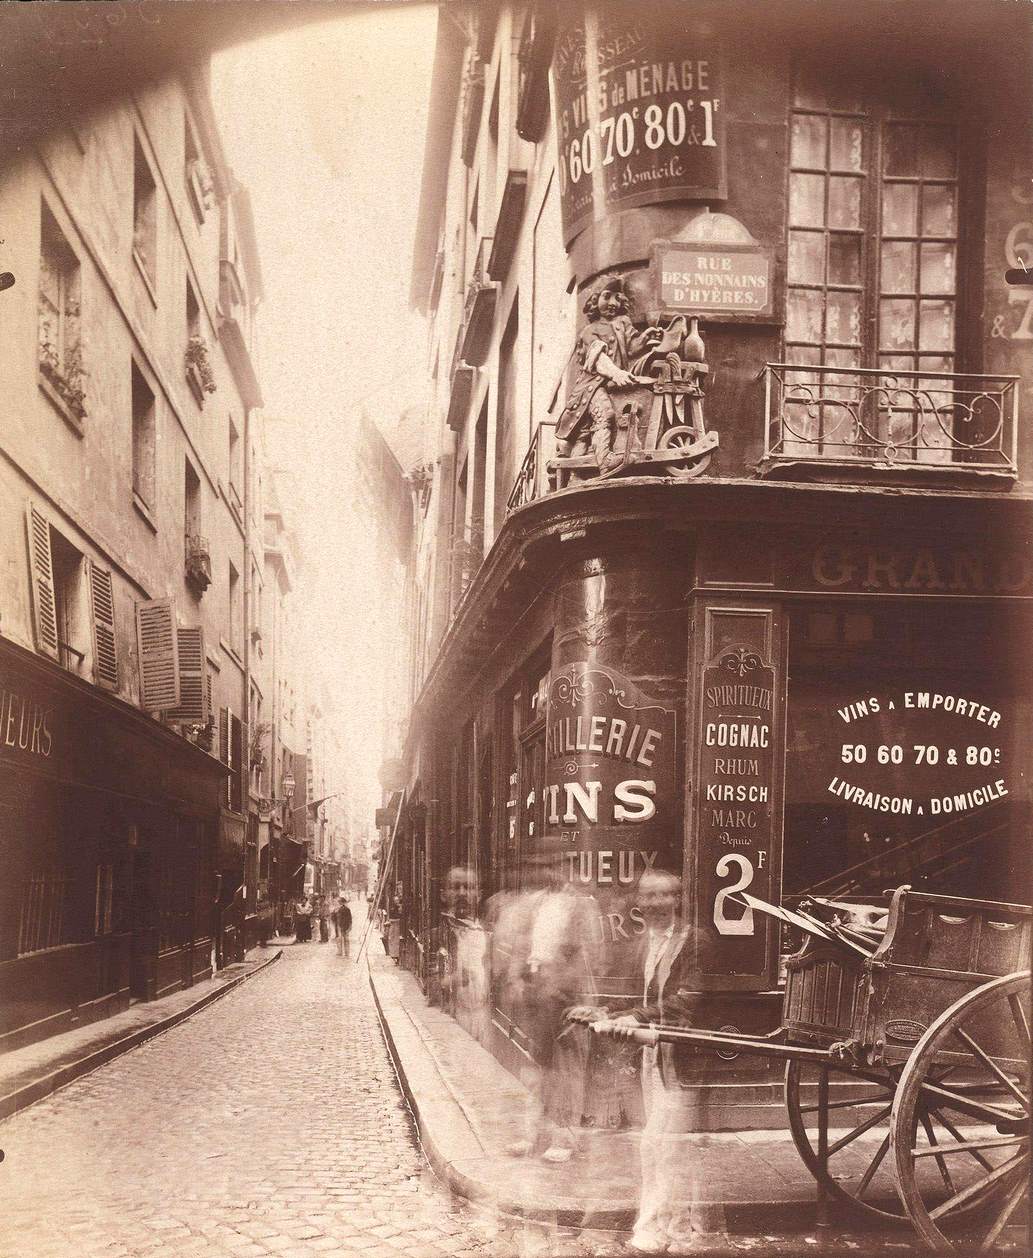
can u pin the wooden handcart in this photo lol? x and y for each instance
(908, 1066)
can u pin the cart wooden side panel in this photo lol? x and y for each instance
(936, 949)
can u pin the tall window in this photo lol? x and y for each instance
(195, 175)
(505, 421)
(235, 606)
(143, 440)
(69, 602)
(872, 260)
(191, 504)
(236, 471)
(59, 316)
(145, 214)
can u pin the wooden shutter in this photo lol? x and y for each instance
(102, 613)
(41, 572)
(237, 752)
(208, 694)
(159, 655)
(225, 753)
(193, 692)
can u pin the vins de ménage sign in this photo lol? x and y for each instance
(639, 116)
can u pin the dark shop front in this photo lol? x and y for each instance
(108, 823)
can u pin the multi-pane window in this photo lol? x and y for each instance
(872, 261)
(59, 316)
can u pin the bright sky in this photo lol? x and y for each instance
(325, 127)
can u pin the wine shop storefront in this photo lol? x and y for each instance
(639, 679)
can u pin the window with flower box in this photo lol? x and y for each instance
(59, 343)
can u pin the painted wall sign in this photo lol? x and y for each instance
(734, 807)
(919, 751)
(609, 778)
(26, 724)
(729, 280)
(639, 111)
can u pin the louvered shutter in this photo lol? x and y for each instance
(102, 613)
(208, 694)
(193, 696)
(225, 751)
(237, 752)
(41, 571)
(159, 655)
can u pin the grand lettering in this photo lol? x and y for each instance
(923, 570)
(25, 725)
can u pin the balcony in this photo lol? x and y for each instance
(198, 563)
(914, 422)
(535, 480)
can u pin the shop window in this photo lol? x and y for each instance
(59, 345)
(44, 920)
(873, 256)
(145, 216)
(143, 440)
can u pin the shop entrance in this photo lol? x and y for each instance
(903, 720)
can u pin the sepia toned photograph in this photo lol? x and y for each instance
(516, 610)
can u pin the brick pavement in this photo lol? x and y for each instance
(270, 1123)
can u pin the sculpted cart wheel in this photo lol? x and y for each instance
(854, 1123)
(960, 1124)
(682, 438)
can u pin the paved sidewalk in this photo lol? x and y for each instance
(37, 1070)
(469, 1109)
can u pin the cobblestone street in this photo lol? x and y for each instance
(269, 1123)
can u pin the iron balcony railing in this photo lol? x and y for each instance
(890, 417)
(533, 480)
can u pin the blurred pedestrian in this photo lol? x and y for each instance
(343, 922)
(666, 1215)
(551, 932)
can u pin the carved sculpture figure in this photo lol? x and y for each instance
(610, 353)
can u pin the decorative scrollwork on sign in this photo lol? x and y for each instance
(740, 661)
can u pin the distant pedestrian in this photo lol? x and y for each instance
(324, 922)
(343, 921)
(303, 922)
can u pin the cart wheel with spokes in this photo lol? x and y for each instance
(855, 1128)
(960, 1122)
(681, 438)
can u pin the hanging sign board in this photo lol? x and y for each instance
(639, 111)
(721, 282)
(735, 810)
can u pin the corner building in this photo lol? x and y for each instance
(777, 643)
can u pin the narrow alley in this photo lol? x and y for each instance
(269, 1123)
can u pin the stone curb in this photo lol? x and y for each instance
(29, 1093)
(447, 1136)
